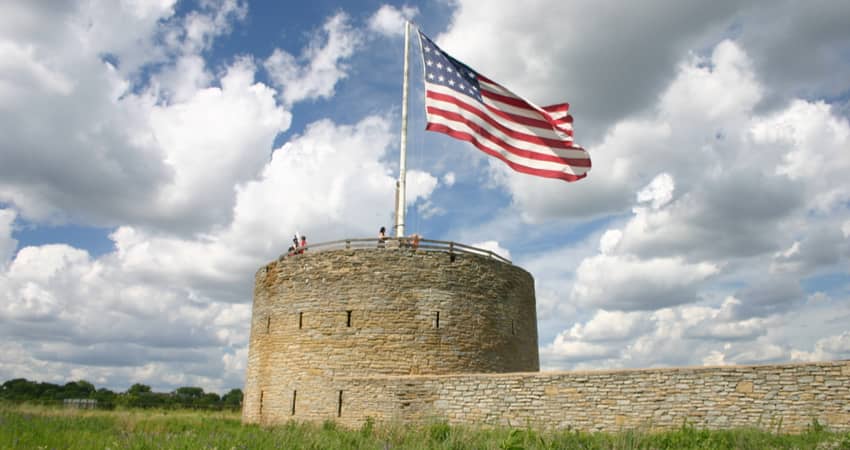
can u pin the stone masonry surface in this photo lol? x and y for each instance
(388, 311)
(348, 335)
(786, 397)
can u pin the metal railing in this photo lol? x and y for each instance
(405, 243)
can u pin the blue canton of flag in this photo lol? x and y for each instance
(444, 70)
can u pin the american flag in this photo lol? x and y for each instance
(468, 106)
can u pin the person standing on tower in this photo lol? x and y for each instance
(382, 237)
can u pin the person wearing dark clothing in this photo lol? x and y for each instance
(382, 236)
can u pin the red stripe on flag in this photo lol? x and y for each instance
(524, 120)
(560, 107)
(536, 139)
(520, 103)
(528, 154)
(569, 177)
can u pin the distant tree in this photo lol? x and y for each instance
(19, 390)
(136, 396)
(210, 400)
(232, 399)
(77, 389)
(140, 396)
(139, 388)
(189, 392)
(105, 398)
(49, 392)
(188, 396)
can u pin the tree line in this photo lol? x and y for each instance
(139, 395)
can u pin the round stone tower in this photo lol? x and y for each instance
(375, 311)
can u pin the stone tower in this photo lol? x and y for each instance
(322, 316)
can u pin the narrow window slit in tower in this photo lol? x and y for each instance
(261, 402)
(300, 320)
(348, 319)
(513, 328)
(294, 396)
(339, 405)
(437, 320)
(268, 323)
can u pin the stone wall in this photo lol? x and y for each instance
(348, 335)
(785, 397)
(387, 311)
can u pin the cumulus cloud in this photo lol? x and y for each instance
(562, 350)
(165, 154)
(822, 248)
(658, 192)
(625, 282)
(449, 179)
(315, 73)
(389, 20)
(611, 326)
(494, 247)
(717, 246)
(7, 243)
(605, 79)
(65, 309)
(832, 347)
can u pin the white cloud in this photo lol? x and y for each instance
(165, 153)
(7, 243)
(218, 138)
(420, 185)
(815, 141)
(200, 28)
(609, 241)
(658, 192)
(494, 247)
(611, 326)
(389, 20)
(329, 181)
(449, 179)
(832, 347)
(625, 282)
(562, 350)
(322, 60)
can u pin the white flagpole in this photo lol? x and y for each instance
(402, 172)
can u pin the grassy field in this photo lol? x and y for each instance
(33, 427)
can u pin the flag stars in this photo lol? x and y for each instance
(452, 83)
(439, 65)
(441, 78)
(431, 76)
(429, 62)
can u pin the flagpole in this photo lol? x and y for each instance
(402, 162)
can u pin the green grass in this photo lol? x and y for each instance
(37, 427)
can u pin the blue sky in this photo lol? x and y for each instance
(156, 153)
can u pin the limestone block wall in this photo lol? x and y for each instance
(786, 397)
(390, 311)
